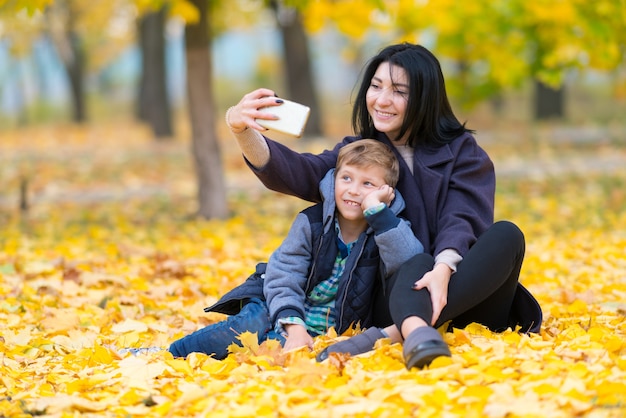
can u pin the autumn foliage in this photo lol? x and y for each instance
(106, 257)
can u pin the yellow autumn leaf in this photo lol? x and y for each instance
(96, 355)
(60, 320)
(184, 10)
(249, 343)
(180, 366)
(189, 393)
(132, 397)
(129, 325)
(611, 393)
(62, 403)
(139, 372)
(440, 362)
(479, 392)
(578, 307)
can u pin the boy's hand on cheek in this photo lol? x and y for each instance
(384, 194)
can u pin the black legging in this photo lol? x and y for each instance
(481, 290)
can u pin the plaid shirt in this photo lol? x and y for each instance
(319, 306)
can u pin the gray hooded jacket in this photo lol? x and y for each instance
(307, 255)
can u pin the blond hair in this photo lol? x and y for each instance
(370, 153)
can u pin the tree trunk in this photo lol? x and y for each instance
(549, 103)
(206, 151)
(70, 49)
(76, 70)
(153, 103)
(300, 83)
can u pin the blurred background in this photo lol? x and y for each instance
(162, 72)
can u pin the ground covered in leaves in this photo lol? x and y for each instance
(105, 257)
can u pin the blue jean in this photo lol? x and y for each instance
(215, 338)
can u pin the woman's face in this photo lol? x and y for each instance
(387, 98)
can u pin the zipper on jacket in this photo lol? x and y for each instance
(347, 287)
(316, 258)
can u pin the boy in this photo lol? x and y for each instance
(324, 273)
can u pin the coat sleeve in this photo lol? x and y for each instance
(394, 238)
(468, 208)
(287, 272)
(297, 174)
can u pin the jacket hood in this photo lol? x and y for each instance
(327, 190)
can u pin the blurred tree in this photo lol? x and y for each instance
(31, 7)
(508, 42)
(297, 61)
(20, 28)
(497, 45)
(153, 105)
(62, 18)
(76, 28)
(549, 102)
(199, 16)
(206, 150)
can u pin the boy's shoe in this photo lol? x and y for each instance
(358, 344)
(422, 346)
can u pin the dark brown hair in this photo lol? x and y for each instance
(429, 119)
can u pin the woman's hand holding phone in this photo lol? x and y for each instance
(262, 110)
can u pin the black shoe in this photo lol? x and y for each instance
(422, 346)
(358, 344)
(425, 353)
(323, 355)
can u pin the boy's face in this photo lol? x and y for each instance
(352, 184)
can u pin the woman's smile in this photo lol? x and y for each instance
(384, 114)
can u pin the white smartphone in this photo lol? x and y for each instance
(292, 118)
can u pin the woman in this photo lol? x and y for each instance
(471, 267)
